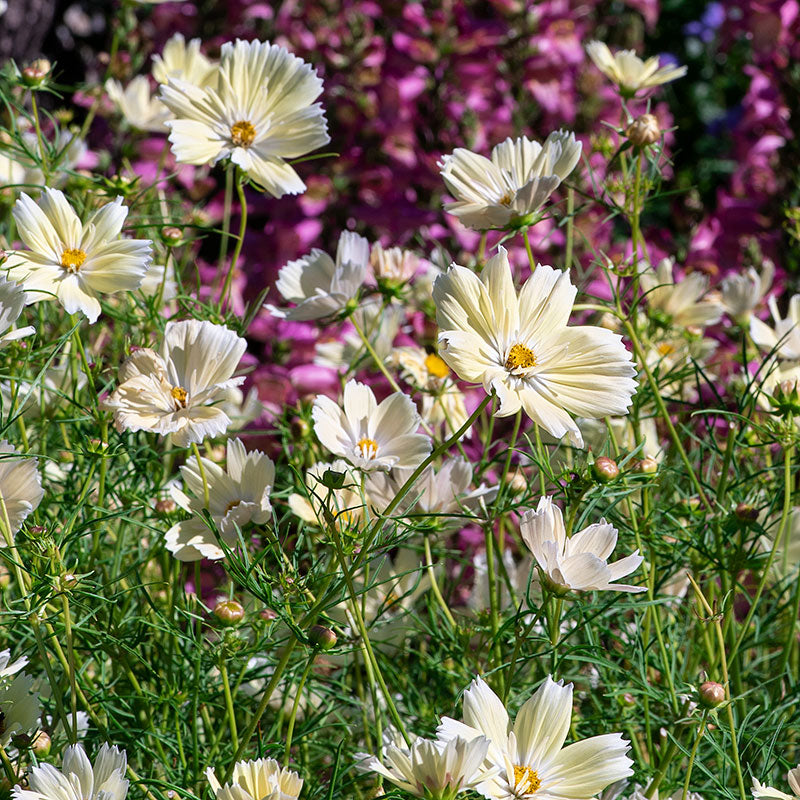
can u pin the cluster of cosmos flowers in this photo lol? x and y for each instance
(503, 347)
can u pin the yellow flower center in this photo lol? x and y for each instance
(232, 505)
(665, 349)
(436, 366)
(520, 357)
(526, 781)
(506, 199)
(367, 448)
(72, 259)
(179, 394)
(243, 133)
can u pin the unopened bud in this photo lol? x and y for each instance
(267, 614)
(321, 637)
(299, 428)
(646, 466)
(605, 469)
(171, 236)
(41, 744)
(628, 700)
(746, 513)
(644, 130)
(711, 694)
(166, 506)
(229, 612)
(36, 72)
(68, 581)
(517, 481)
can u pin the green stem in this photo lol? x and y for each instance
(528, 249)
(295, 705)
(202, 469)
(434, 583)
(239, 242)
(226, 687)
(570, 228)
(700, 731)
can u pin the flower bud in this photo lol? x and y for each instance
(171, 236)
(711, 694)
(299, 428)
(605, 469)
(68, 581)
(321, 637)
(647, 466)
(35, 74)
(41, 744)
(746, 513)
(166, 506)
(267, 614)
(229, 612)
(644, 130)
(628, 700)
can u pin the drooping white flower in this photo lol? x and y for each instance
(325, 502)
(509, 189)
(530, 753)
(20, 487)
(137, 104)
(177, 391)
(784, 338)
(74, 261)
(158, 282)
(184, 62)
(19, 707)
(683, 304)
(761, 792)
(628, 71)
(259, 112)
(521, 348)
(578, 562)
(12, 301)
(371, 435)
(394, 264)
(320, 286)
(237, 495)
(431, 769)
(262, 779)
(77, 778)
(742, 292)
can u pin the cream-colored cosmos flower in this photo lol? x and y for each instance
(682, 304)
(77, 779)
(579, 562)
(742, 292)
(761, 792)
(177, 391)
(72, 260)
(237, 495)
(323, 504)
(371, 435)
(393, 264)
(429, 768)
(784, 338)
(184, 62)
(628, 71)
(509, 189)
(320, 286)
(263, 779)
(12, 301)
(137, 104)
(20, 487)
(521, 348)
(259, 112)
(19, 707)
(530, 753)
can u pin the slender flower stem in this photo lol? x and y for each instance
(293, 715)
(73, 730)
(226, 688)
(226, 218)
(570, 229)
(39, 137)
(434, 582)
(700, 731)
(223, 297)
(528, 249)
(481, 251)
(202, 469)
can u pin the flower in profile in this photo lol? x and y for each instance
(237, 495)
(429, 768)
(371, 435)
(628, 71)
(78, 778)
(20, 487)
(529, 754)
(176, 391)
(72, 260)
(761, 792)
(393, 265)
(259, 112)
(742, 292)
(579, 562)
(262, 779)
(678, 304)
(784, 338)
(184, 62)
(320, 286)
(332, 496)
(12, 301)
(521, 348)
(509, 189)
(19, 706)
(137, 105)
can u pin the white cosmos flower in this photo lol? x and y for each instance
(137, 104)
(77, 778)
(784, 338)
(262, 779)
(530, 753)
(579, 562)
(19, 707)
(184, 62)
(371, 435)
(510, 188)
(12, 301)
(431, 769)
(742, 292)
(72, 260)
(761, 792)
(237, 495)
(259, 112)
(9, 667)
(521, 348)
(176, 391)
(320, 504)
(682, 303)
(319, 285)
(628, 71)
(20, 487)
(393, 264)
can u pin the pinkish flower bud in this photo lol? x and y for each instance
(165, 506)
(36, 72)
(321, 637)
(41, 744)
(711, 694)
(605, 469)
(229, 612)
(647, 466)
(746, 513)
(644, 130)
(171, 236)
